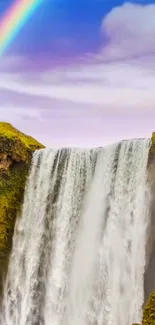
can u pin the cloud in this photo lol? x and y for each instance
(130, 31)
(85, 102)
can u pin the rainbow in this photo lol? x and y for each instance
(14, 19)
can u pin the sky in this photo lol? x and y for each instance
(81, 72)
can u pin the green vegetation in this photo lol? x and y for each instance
(149, 311)
(152, 149)
(16, 143)
(16, 151)
(153, 138)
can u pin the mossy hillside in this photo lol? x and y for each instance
(152, 150)
(11, 193)
(153, 138)
(149, 311)
(15, 156)
(16, 144)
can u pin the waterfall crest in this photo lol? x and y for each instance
(78, 254)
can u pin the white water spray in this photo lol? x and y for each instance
(78, 256)
(107, 285)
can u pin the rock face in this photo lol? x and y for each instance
(16, 151)
(149, 285)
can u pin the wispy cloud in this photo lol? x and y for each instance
(101, 99)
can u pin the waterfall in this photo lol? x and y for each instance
(78, 255)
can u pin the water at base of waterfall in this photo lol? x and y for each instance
(78, 255)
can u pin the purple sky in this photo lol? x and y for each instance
(91, 99)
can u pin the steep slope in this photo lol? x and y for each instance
(16, 151)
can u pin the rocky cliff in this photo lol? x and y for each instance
(16, 151)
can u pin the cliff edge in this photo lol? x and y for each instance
(16, 151)
(149, 308)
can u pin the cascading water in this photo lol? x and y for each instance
(78, 254)
(107, 286)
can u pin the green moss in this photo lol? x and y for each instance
(149, 311)
(11, 193)
(8, 131)
(16, 151)
(153, 138)
(16, 143)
